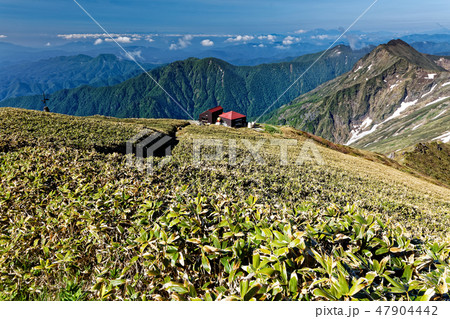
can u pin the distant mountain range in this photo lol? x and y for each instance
(65, 72)
(243, 54)
(391, 99)
(198, 85)
(249, 50)
(11, 53)
(442, 49)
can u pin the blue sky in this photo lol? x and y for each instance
(26, 18)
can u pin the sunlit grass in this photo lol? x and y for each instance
(78, 224)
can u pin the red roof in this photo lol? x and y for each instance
(232, 115)
(217, 108)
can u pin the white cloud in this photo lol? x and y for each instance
(301, 31)
(197, 35)
(240, 38)
(77, 36)
(48, 44)
(290, 40)
(120, 39)
(281, 47)
(323, 37)
(271, 38)
(136, 55)
(207, 43)
(2, 36)
(183, 42)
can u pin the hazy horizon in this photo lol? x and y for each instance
(34, 23)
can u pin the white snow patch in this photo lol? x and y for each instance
(431, 91)
(400, 110)
(417, 126)
(357, 136)
(366, 123)
(393, 86)
(444, 138)
(360, 67)
(431, 76)
(439, 115)
(370, 66)
(445, 84)
(438, 100)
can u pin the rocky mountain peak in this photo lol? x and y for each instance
(393, 96)
(398, 42)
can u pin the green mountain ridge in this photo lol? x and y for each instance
(65, 72)
(393, 98)
(198, 85)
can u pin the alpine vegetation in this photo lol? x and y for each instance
(78, 223)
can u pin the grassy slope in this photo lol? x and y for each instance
(432, 159)
(78, 224)
(349, 176)
(104, 134)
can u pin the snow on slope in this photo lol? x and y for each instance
(400, 110)
(439, 115)
(356, 136)
(431, 91)
(438, 100)
(444, 138)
